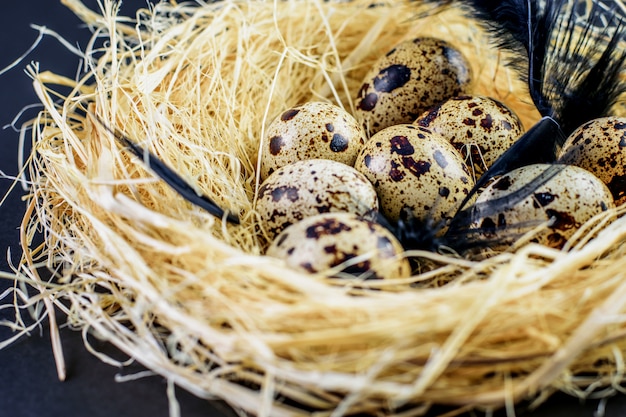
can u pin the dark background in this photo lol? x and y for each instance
(29, 384)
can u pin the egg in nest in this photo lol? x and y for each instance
(356, 246)
(416, 173)
(306, 188)
(565, 201)
(312, 130)
(409, 79)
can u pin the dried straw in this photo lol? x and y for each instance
(192, 297)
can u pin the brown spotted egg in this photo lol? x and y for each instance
(600, 147)
(481, 128)
(312, 130)
(305, 188)
(325, 241)
(416, 173)
(567, 200)
(408, 80)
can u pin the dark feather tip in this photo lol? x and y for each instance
(170, 176)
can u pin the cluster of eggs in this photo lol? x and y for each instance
(314, 205)
(413, 149)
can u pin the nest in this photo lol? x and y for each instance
(194, 299)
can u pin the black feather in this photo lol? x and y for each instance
(170, 176)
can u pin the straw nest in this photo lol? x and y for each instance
(193, 298)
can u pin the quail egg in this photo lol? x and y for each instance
(600, 147)
(408, 80)
(312, 130)
(325, 241)
(566, 201)
(481, 128)
(305, 188)
(416, 173)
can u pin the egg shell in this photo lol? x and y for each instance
(327, 240)
(416, 173)
(479, 127)
(408, 80)
(570, 198)
(599, 146)
(312, 130)
(305, 188)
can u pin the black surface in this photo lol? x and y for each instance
(29, 384)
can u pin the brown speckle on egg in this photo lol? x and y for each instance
(327, 226)
(392, 77)
(401, 145)
(278, 193)
(276, 144)
(409, 79)
(417, 168)
(289, 114)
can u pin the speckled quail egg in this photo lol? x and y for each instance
(327, 240)
(408, 80)
(416, 173)
(305, 188)
(570, 198)
(480, 127)
(312, 130)
(600, 147)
